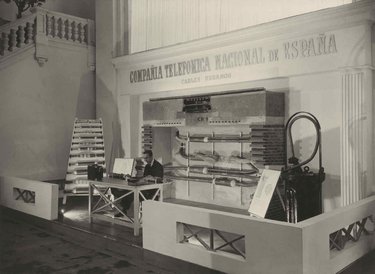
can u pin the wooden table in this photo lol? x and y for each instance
(102, 207)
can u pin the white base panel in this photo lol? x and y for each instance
(45, 204)
(270, 246)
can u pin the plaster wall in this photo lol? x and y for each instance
(37, 110)
(80, 8)
(319, 94)
(106, 95)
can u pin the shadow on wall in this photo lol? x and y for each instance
(357, 127)
(81, 8)
(331, 163)
(3, 21)
(331, 190)
(303, 149)
(86, 97)
(117, 150)
(106, 108)
(292, 102)
(292, 105)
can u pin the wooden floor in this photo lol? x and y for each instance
(72, 245)
(76, 215)
(32, 245)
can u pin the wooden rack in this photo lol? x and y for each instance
(87, 148)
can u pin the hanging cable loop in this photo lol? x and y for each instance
(288, 133)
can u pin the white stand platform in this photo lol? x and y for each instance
(267, 246)
(29, 196)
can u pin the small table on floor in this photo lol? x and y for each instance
(104, 204)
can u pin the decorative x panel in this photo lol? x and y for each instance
(353, 232)
(27, 196)
(213, 239)
(104, 203)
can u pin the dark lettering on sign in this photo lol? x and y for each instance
(187, 67)
(273, 55)
(147, 74)
(191, 80)
(320, 45)
(218, 76)
(244, 57)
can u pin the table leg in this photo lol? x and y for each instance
(161, 193)
(90, 201)
(64, 199)
(136, 213)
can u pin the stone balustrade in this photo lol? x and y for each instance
(66, 27)
(17, 34)
(42, 26)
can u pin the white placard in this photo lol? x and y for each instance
(263, 193)
(124, 166)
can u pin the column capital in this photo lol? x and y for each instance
(356, 69)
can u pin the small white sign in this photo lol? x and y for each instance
(263, 193)
(124, 166)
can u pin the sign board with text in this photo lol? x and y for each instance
(264, 192)
(245, 61)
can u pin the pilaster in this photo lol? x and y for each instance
(356, 134)
(129, 116)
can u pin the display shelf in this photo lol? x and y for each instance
(222, 164)
(87, 148)
(215, 146)
(223, 181)
(265, 145)
(147, 139)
